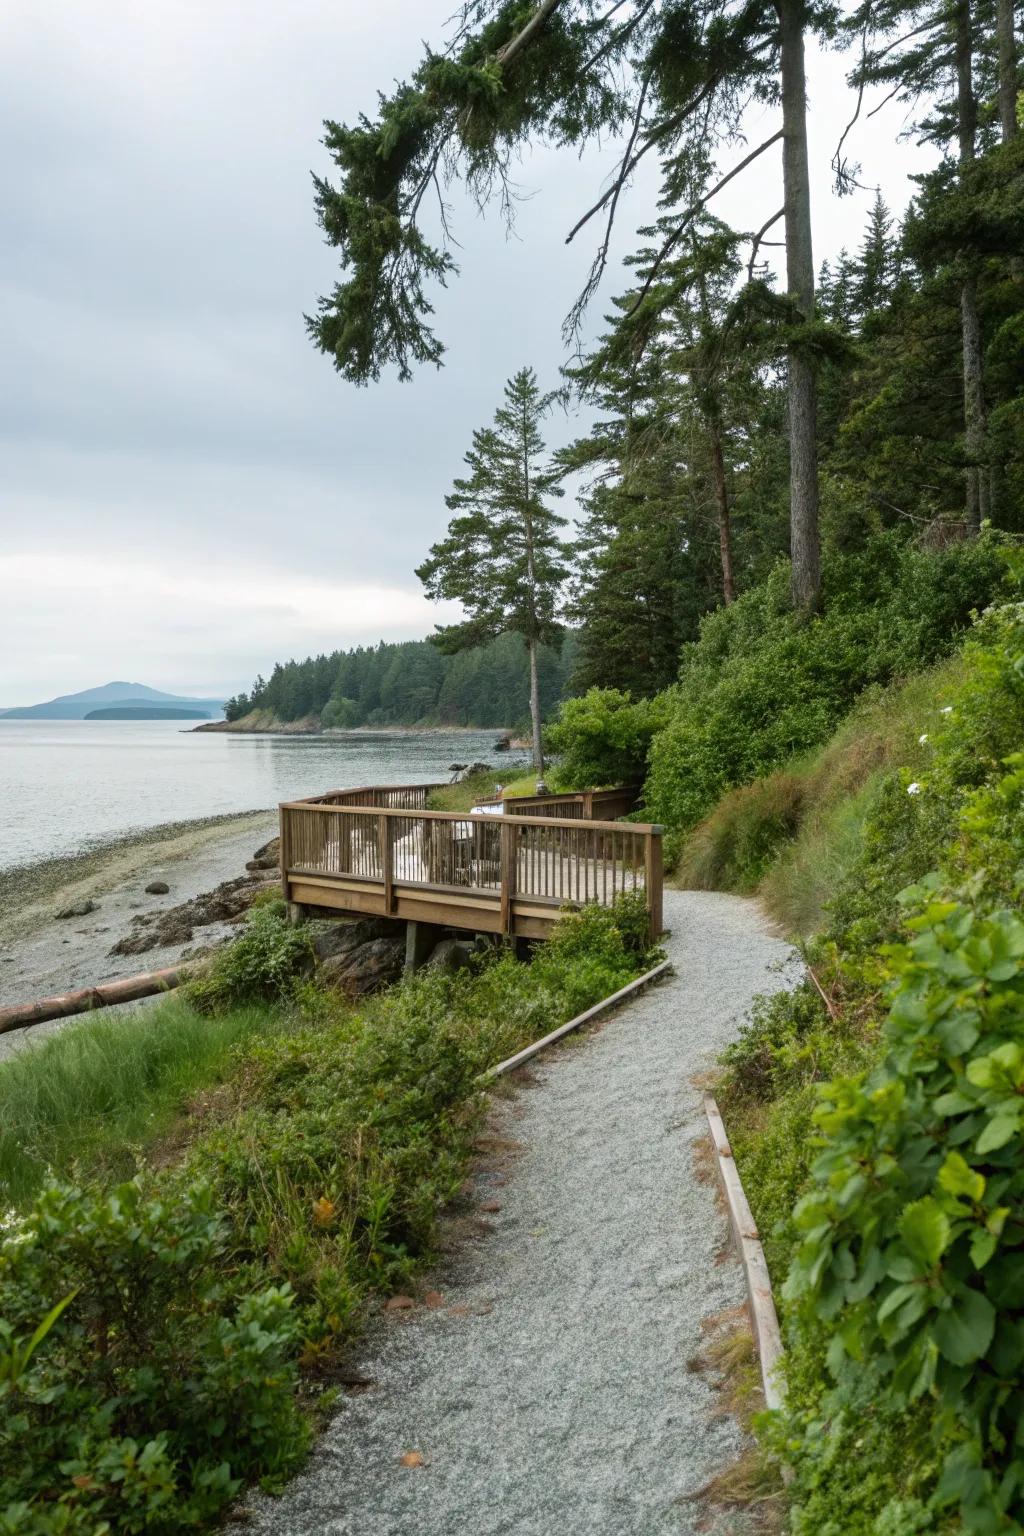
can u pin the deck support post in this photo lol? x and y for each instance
(421, 939)
(296, 913)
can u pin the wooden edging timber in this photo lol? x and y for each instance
(621, 996)
(128, 990)
(763, 1317)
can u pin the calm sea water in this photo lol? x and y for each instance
(66, 786)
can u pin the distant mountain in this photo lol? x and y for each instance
(124, 697)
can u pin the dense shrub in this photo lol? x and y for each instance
(912, 1246)
(604, 737)
(158, 1387)
(904, 1307)
(763, 684)
(262, 964)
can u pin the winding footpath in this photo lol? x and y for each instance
(547, 1391)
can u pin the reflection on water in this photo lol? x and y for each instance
(66, 784)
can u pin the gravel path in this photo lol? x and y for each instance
(549, 1395)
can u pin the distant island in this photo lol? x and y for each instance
(119, 701)
(146, 712)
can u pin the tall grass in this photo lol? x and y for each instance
(96, 1095)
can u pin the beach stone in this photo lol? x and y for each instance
(78, 909)
(364, 969)
(157, 888)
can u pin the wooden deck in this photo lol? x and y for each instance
(380, 852)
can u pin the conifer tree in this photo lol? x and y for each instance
(502, 558)
(671, 76)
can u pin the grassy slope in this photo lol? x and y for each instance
(793, 836)
(99, 1093)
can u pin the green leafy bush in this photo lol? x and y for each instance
(603, 738)
(171, 1375)
(159, 1387)
(262, 964)
(912, 1237)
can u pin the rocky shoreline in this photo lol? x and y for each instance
(102, 892)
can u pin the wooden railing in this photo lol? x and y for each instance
(400, 797)
(585, 804)
(508, 874)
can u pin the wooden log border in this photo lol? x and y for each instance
(612, 1001)
(763, 1316)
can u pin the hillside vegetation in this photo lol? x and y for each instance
(863, 772)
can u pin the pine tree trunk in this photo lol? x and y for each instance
(724, 523)
(805, 548)
(538, 750)
(1007, 45)
(976, 479)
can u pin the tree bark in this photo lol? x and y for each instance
(538, 749)
(976, 480)
(1007, 46)
(805, 548)
(724, 522)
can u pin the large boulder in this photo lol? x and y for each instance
(368, 966)
(341, 937)
(267, 857)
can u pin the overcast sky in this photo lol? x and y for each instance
(188, 491)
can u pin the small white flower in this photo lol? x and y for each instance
(913, 789)
(922, 739)
(947, 711)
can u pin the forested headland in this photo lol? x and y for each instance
(411, 683)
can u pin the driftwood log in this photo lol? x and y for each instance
(24, 1015)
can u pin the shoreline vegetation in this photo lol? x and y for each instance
(264, 722)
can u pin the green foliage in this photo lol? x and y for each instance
(411, 683)
(910, 1245)
(155, 1389)
(737, 844)
(901, 1135)
(261, 965)
(604, 737)
(763, 684)
(153, 1332)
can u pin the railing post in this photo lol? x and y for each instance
(284, 851)
(588, 805)
(654, 880)
(384, 835)
(507, 873)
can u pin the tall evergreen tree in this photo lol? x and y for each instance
(503, 559)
